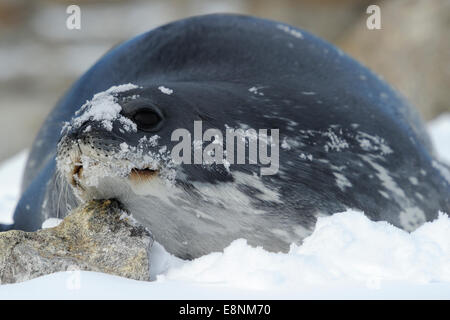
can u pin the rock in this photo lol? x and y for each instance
(98, 236)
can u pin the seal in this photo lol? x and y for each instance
(339, 138)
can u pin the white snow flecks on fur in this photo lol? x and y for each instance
(372, 143)
(290, 30)
(306, 156)
(386, 180)
(104, 108)
(255, 91)
(336, 142)
(165, 90)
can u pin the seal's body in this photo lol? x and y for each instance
(346, 139)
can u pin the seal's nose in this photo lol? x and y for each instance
(94, 134)
(76, 133)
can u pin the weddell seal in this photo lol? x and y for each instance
(330, 136)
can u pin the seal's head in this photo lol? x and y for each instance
(120, 145)
(122, 139)
(112, 141)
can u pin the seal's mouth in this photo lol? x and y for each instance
(135, 175)
(138, 175)
(95, 168)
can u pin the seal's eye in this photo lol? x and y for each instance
(147, 119)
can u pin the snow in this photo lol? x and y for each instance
(165, 90)
(51, 223)
(347, 257)
(104, 108)
(10, 178)
(440, 135)
(255, 91)
(346, 248)
(290, 30)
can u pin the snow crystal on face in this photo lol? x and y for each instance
(336, 143)
(165, 90)
(104, 108)
(124, 147)
(306, 156)
(290, 30)
(254, 90)
(152, 141)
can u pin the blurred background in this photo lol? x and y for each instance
(40, 58)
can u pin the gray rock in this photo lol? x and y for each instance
(98, 236)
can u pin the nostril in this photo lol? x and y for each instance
(77, 170)
(76, 174)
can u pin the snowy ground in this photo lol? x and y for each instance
(347, 257)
